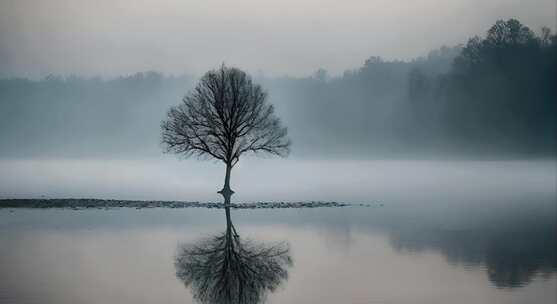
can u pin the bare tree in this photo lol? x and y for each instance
(223, 117)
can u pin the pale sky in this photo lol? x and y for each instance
(294, 37)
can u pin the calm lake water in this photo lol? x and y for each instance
(482, 232)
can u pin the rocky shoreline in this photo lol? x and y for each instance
(79, 204)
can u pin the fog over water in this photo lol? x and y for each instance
(280, 180)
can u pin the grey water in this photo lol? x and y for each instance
(434, 232)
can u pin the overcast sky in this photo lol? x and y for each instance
(295, 37)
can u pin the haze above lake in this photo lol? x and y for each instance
(277, 179)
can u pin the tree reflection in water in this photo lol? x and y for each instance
(227, 269)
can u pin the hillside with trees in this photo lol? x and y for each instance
(495, 95)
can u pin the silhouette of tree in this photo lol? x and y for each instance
(223, 117)
(227, 270)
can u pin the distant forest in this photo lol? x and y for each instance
(494, 96)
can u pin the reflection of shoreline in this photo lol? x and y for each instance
(226, 269)
(512, 258)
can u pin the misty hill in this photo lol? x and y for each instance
(74, 117)
(494, 95)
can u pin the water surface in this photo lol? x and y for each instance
(488, 239)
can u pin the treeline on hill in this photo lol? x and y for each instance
(493, 96)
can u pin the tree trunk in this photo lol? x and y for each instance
(228, 223)
(226, 192)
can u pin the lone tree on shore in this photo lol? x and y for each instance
(223, 117)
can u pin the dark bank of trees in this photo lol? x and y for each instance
(367, 111)
(493, 96)
(501, 93)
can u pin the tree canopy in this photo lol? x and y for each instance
(223, 117)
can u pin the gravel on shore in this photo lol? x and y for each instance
(84, 203)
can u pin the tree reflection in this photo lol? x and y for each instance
(227, 269)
